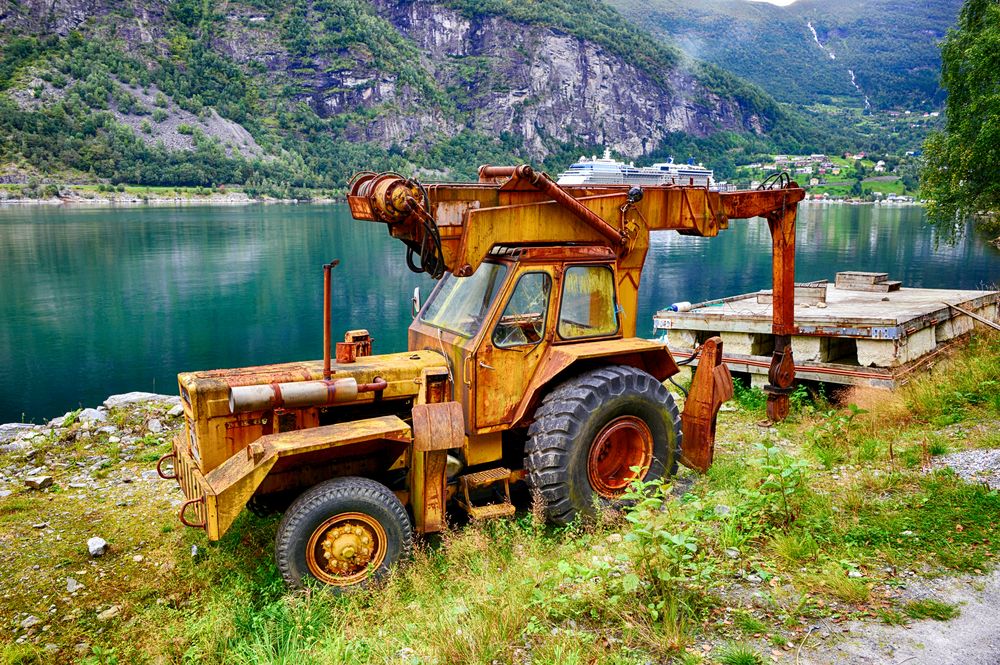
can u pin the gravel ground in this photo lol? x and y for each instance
(974, 466)
(973, 638)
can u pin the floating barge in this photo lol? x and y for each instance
(861, 330)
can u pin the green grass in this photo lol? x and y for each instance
(738, 654)
(929, 608)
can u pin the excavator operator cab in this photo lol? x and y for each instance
(496, 324)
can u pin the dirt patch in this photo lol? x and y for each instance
(973, 638)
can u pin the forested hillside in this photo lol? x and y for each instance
(879, 53)
(281, 95)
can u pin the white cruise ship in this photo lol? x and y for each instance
(608, 171)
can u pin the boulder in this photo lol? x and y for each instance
(10, 430)
(38, 482)
(109, 613)
(92, 416)
(136, 397)
(97, 546)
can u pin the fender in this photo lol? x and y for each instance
(563, 360)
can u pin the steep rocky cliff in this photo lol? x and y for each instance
(421, 83)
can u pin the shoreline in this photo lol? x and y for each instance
(161, 201)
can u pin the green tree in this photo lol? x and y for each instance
(962, 174)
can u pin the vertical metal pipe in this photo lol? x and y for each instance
(781, 374)
(327, 315)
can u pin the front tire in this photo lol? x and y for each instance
(591, 430)
(342, 532)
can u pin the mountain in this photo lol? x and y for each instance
(878, 54)
(303, 93)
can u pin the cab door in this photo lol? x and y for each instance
(509, 353)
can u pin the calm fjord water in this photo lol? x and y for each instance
(106, 300)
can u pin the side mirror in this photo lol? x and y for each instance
(415, 302)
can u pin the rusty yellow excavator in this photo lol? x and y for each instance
(523, 365)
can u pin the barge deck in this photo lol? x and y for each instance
(861, 330)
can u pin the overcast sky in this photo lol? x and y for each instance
(776, 2)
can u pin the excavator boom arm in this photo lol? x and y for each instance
(453, 227)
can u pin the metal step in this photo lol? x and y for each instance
(490, 511)
(484, 478)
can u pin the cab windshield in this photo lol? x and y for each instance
(461, 304)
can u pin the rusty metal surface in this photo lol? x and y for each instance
(195, 489)
(232, 483)
(327, 314)
(217, 433)
(346, 548)
(623, 444)
(711, 386)
(438, 426)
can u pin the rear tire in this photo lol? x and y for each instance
(342, 532)
(590, 430)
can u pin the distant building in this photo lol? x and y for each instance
(813, 182)
(835, 170)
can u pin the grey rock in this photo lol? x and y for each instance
(109, 613)
(97, 546)
(10, 430)
(722, 510)
(40, 525)
(38, 482)
(13, 446)
(154, 425)
(72, 586)
(5, 493)
(732, 553)
(58, 422)
(92, 416)
(136, 397)
(150, 474)
(175, 411)
(108, 429)
(30, 621)
(855, 573)
(754, 579)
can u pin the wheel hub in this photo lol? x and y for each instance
(346, 548)
(624, 443)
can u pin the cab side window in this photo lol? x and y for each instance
(523, 320)
(588, 303)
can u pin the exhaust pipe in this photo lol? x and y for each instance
(299, 394)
